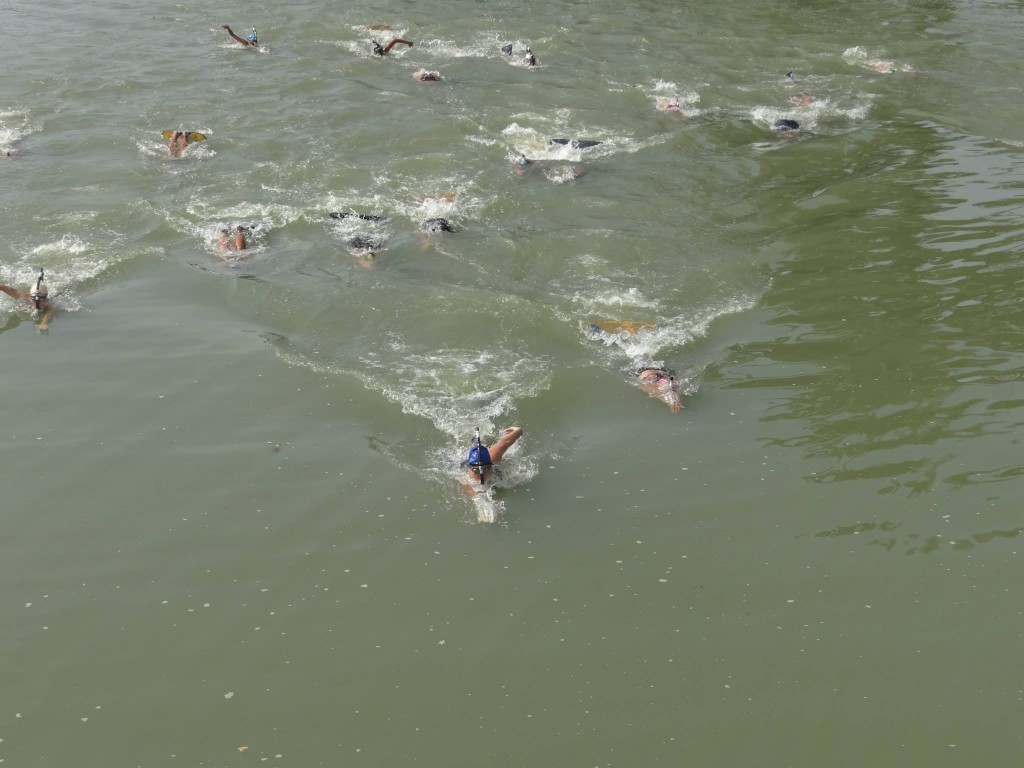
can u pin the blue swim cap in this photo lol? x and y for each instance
(252, 36)
(479, 456)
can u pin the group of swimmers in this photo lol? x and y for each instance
(481, 460)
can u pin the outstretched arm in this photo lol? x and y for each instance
(14, 293)
(395, 42)
(242, 40)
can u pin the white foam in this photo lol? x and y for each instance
(15, 125)
(670, 333)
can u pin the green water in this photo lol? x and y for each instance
(233, 528)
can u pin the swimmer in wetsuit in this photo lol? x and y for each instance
(576, 143)
(363, 216)
(436, 226)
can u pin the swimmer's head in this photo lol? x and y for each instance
(479, 459)
(253, 37)
(789, 76)
(38, 290)
(523, 162)
(437, 225)
(378, 49)
(785, 124)
(530, 59)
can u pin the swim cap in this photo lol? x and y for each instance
(252, 36)
(785, 124)
(38, 289)
(479, 457)
(437, 225)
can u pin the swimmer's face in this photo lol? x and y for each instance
(475, 473)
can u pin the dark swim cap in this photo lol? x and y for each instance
(785, 124)
(437, 225)
(479, 457)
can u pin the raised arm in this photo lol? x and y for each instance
(242, 40)
(395, 42)
(508, 436)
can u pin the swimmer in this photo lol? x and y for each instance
(785, 125)
(629, 327)
(364, 243)
(479, 465)
(379, 50)
(802, 99)
(889, 68)
(660, 384)
(529, 60)
(252, 41)
(522, 166)
(670, 106)
(37, 296)
(577, 143)
(426, 76)
(363, 216)
(10, 153)
(228, 242)
(436, 226)
(365, 249)
(432, 226)
(178, 143)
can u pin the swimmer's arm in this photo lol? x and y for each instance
(395, 42)
(504, 442)
(239, 39)
(14, 293)
(44, 321)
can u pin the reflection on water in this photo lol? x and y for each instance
(895, 349)
(917, 543)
